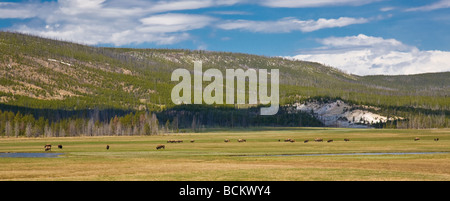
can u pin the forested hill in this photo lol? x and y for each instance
(38, 74)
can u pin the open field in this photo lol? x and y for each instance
(262, 157)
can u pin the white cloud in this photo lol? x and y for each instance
(367, 55)
(289, 24)
(386, 9)
(137, 21)
(10, 10)
(174, 22)
(312, 3)
(434, 6)
(113, 22)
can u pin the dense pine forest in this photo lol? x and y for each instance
(55, 88)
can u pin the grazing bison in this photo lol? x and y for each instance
(346, 139)
(242, 140)
(289, 140)
(107, 147)
(305, 141)
(174, 141)
(318, 140)
(48, 147)
(415, 139)
(192, 141)
(330, 141)
(226, 140)
(436, 139)
(160, 146)
(59, 146)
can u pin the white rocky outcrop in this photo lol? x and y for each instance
(340, 114)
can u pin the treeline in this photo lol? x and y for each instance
(18, 124)
(196, 117)
(187, 118)
(416, 120)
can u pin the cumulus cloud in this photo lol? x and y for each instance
(110, 22)
(138, 21)
(290, 24)
(368, 55)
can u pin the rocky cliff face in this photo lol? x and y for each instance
(340, 114)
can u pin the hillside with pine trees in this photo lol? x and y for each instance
(55, 88)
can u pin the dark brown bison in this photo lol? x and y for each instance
(415, 139)
(346, 139)
(192, 141)
(107, 147)
(160, 146)
(305, 141)
(226, 140)
(48, 147)
(436, 139)
(318, 140)
(289, 140)
(59, 146)
(330, 141)
(242, 140)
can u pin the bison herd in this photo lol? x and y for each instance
(48, 147)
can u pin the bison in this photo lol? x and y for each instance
(59, 146)
(289, 140)
(436, 139)
(192, 141)
(415, 139)
(242, 140)
(48, 147)
(174, 141)
(160, 146)
(318, 140)
(107, 147)
(305, 141)
(346, 139)
(330, 141)
(226, 140)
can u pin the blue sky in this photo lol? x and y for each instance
(357, 36)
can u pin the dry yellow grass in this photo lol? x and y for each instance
(262, 157)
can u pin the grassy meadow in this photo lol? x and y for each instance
(261, 158)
